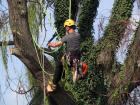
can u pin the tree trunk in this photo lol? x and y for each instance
(29, 53)
(114, 33)
(129, 78)
(109, 43)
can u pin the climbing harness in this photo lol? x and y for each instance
(78, 68)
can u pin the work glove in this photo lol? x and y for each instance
(52, 44)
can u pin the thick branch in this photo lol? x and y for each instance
(129, 78)
(31, 54)
(132, 63)
(114, 33)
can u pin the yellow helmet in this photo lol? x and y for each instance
(69, 22)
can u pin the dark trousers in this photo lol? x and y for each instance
(58, 72)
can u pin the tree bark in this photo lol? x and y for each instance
(28, 52)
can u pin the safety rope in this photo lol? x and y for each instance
(44, 81)
(64, 60)
(69, 9)
(42, 65)
(43, 71)
(40, 59)
(53, 51)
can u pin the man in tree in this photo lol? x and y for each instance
(72, 40)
